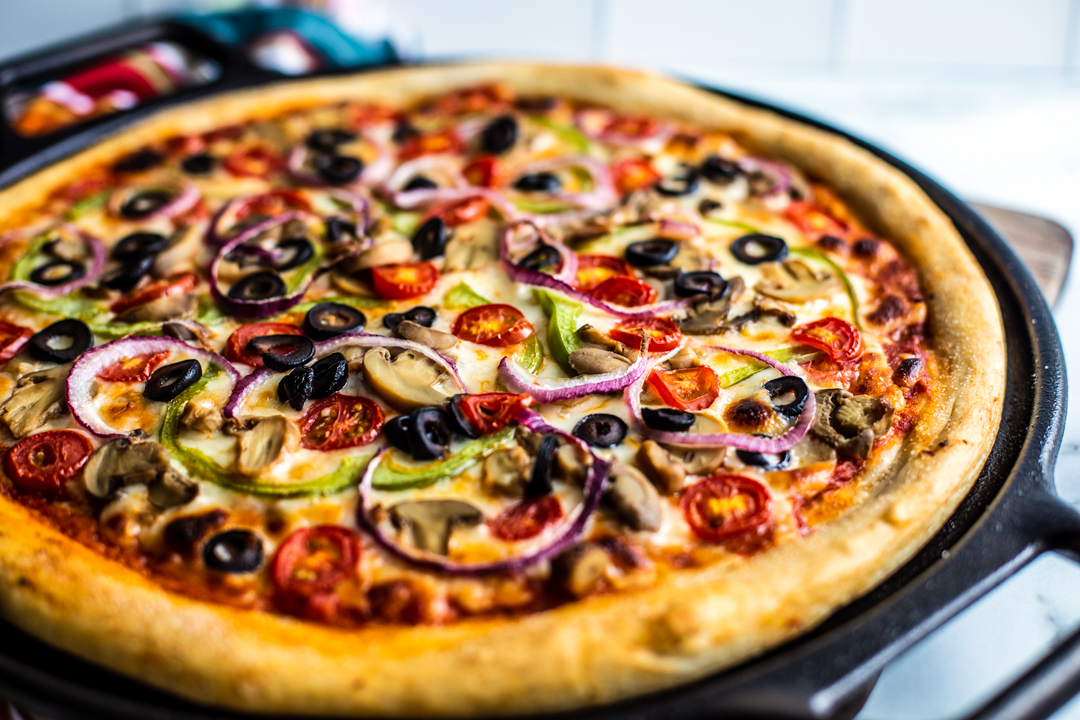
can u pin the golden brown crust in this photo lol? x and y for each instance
(597, 650)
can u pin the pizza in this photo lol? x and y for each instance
(473, 390)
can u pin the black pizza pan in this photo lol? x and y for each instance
(1012, 514)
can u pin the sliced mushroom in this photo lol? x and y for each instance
(850, 422)
(572, 463)
(409, 380)
(171, 489)
(582, 568)
(593, 361)
(685, 358)
(795, 281)
(261, 445)
(179, 306)
(770, 307)
(634, 497)
(120, 463)
(181, 253)
(385, 253)
(700, 461)
(431, 522)
(736, 324)
(37, 399)
(354, 356)
(435, 339)
(707, 317)
(506, 471)
(665, 472)
(203, 415)
(473, 246)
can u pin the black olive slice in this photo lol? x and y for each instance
(765, 461)
(58, 272)
(295, 388)
(684, 182)
(180, 332)
(429, 433)
(781, 387)
(296, 252)
(719, 171)
(262, 285)
(139, 161)
(667, 419)
(339, 229)
(539, 483)
(396, 430)
(328, 140)
(338, 169)
(404, 132)
(283, 352)
(542, 259)
(145, 202)
(420, 182)
(458, 422)
(650, 253)
(421, 315)
(138, 245)
(500, 135)
(391, 320)
(429, 241)
(328, 320)
(234, 552)
(169, 381)
(200, 164)
(129, 274)
(61, 342)
(539, 182)
(601, 430)
(329, 375)
(756, 248)
(700, 282)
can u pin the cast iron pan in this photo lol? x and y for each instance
(1011, 515)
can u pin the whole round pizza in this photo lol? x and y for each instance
(475, 389)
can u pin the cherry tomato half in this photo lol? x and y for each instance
(630, 175)
(727, 506)
(182, 283)
(595, 269)
(401, 281)
(12, 339)
(526, 519)
(693, 388)
(42, 462)
(664, 335)
(813, 221)
(491, 412)
(315, 560)
(444, 141)
(463, 211)
(484, 171)
(254, 161)
(271, 204)
(133, 369)
(236, 349)
(492, 325)
(839, 338)
(340, 421)
(633, 127)
(625, 291)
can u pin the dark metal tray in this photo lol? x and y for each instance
(1011, 515)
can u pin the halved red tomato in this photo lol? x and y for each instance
(693, 388)
(185, 144)
(625, 291)
(254, 161)
(182, 283)
(444, 141)
(315, 560)
(42, 462)
(484, 171)
(630, 175)
(340, 421)
(664, 335)
(13, 339)
(633, 127)
(401, 281)
(595, 269)
(491, 412)
(839, 338)
(133, 369)
(236, 349)
(727, 506)
(271, 204)
(493, 325)
(463, 211)
(814, 221)
(526, 519)
(79, 189)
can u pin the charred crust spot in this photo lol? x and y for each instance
(747, 413)
(891, 308)
(185, 532)
(908, 371)
(866, 247)
(831, 243)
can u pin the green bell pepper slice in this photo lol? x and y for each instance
(734, 224)
(753, 367)
(88, 204)
(566, 133)
(390, 476)
(562, 328)
(848, 287)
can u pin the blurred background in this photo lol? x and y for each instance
(984, 95)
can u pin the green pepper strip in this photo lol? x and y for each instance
(389, 476)
(567, 133)
(540, 207)
(463, 297)
(783, 355)
(562, 328)
(88, 204)
(405, 223)
(735, 224)
(71, 305)
(202, 466)
(848, 287)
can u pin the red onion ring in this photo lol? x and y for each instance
(295, 165)
(583, 121)
(412, 199)
(549, 390)
(243, 389)
(749, 443)
(677, 229)
(779, 172)
(83, 375)
(98, 257)
(601, 197)
(447, 165)
(568, 259)
(571, 531)
(185, 200)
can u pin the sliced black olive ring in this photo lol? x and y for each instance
(601, 430)
(129, 274)
(683, 183)
(329, 374)
(295, 388)
(719, 171)
(61, 342)
(283, 352)
(139, 161)
(539, 483)
(700, 282)
(234, 552)
(651, 253)
(145, 202)
(58, 272)
(429, 433)
(757, 248)
(765, 461)
(783, 386)
(262, 285)
(328, 320)
(200, 164)
(338, 169)
(458, 422)
(542, 182)
(429, 241)
(339, 230)
(328, 140)
(295, 252)
(421, 315)
(396, 431)
(421, 182)
(667, 419)
(499, 135)
(169, 381)
(139, 245)
(543, 257)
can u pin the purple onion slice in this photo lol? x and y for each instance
(98, 256)
(549, 390)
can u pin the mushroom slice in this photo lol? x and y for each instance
(260, 446)
(593, 336)
(770, 307)
(472, 246)
(430, 522)
(707, 317)
(37, 399)
(667, 473)
(171, 489)
(583, 567)
(850, 422)
(795, 281)
(409, 380)
(634, 497)
(506, 471)
(180, 306)
(435, 339)
(593, 361)
(120, 463)
(203, 415)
